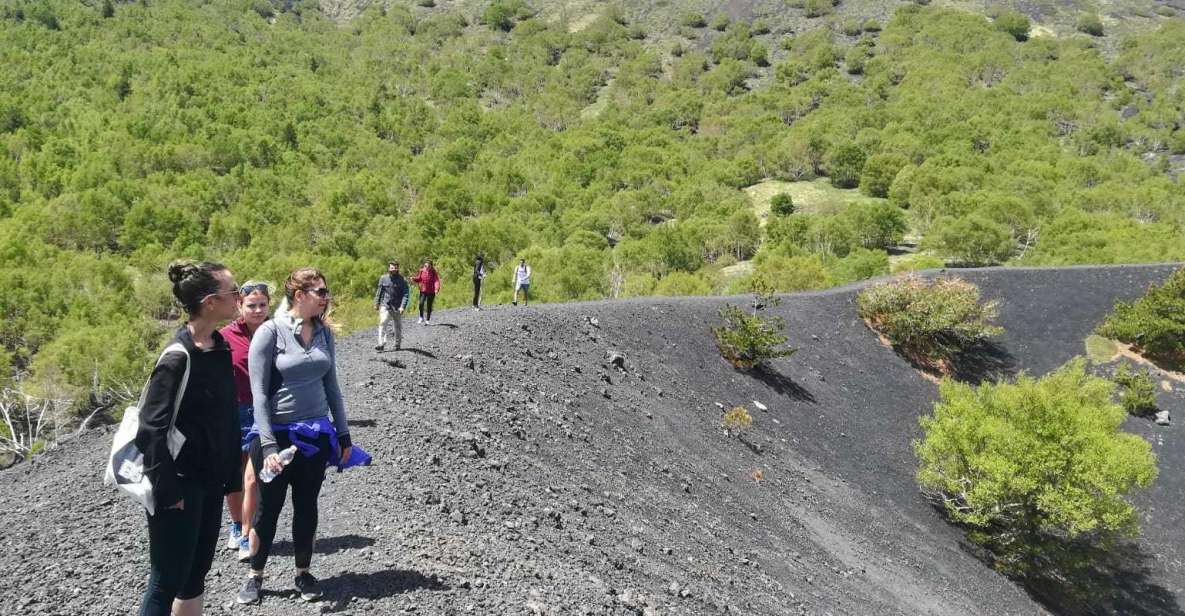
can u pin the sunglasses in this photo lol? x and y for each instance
(322, 292)
(234, 292)
(248, 289)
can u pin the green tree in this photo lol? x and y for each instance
(973, 240)
(845, 164)
(1014, 23)
(1154, 323)
(996, 457)
(781, 204)
(879, 172)
(1090, 24)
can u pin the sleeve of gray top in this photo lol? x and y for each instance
(378, 293)
(260, 358)
(333, 393)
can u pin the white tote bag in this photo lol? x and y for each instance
(125, 465)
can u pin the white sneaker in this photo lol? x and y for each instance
(428, 322)
(234, 535)
(421, 321)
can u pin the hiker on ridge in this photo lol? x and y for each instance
(390, 299)
(298, 403)
(522, 281)
(254, 301)
(429, 282)
(183, 531)
(479, 274)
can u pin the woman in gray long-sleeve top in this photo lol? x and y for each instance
(297, 401)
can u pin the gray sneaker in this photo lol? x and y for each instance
(307, 586)
(250, 592)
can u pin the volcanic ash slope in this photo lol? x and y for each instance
(522, 468)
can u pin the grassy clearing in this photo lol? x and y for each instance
(1100, 350)
(812, 197)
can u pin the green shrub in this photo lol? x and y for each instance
(749, 340)
(817, 8)
(789, 274)
(1031, 464)
(973, 240)
(781, 204)
(915, 262)
(1090, 24)
(1014, 23)
(501, 14)
(759, 53)
(693, 20)
(1154, 323)
(720, 22)
(1166, 11)
(737, 419)
(872, 25)
(682, 283)
(1137, 390)
(851, 27)
(932, 322)
(854, 61)
(861, 264)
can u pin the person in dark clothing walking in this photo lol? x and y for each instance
(188, 490)
(390, 299)
(429, 282)
(479, 274)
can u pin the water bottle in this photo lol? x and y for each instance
(286, 456)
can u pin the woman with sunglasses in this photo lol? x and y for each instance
(183, 531)
(254, 301)
(292, 364)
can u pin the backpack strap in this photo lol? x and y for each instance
(177, 346)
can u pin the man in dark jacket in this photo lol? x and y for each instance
(390, 299)
(479, 274)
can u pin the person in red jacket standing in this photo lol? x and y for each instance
(254, 301)
(429, 282)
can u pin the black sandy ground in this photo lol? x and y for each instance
(518, 471)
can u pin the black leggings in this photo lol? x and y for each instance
(181, 545)
(305, 475)
(426, 299)
(476, 291)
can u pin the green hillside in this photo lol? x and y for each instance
(609, 146)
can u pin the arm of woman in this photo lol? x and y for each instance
(333, 394)
(156, 418)
(261, 359)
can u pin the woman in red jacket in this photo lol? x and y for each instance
(429, 282)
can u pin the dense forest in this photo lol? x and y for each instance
(615, 161)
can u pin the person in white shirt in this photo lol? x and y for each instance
(522, 281)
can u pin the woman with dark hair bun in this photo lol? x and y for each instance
(188, 490)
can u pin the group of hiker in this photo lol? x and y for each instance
(392, 294)
(259, 410)
(254, 401)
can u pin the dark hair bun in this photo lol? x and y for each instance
(180, 270)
